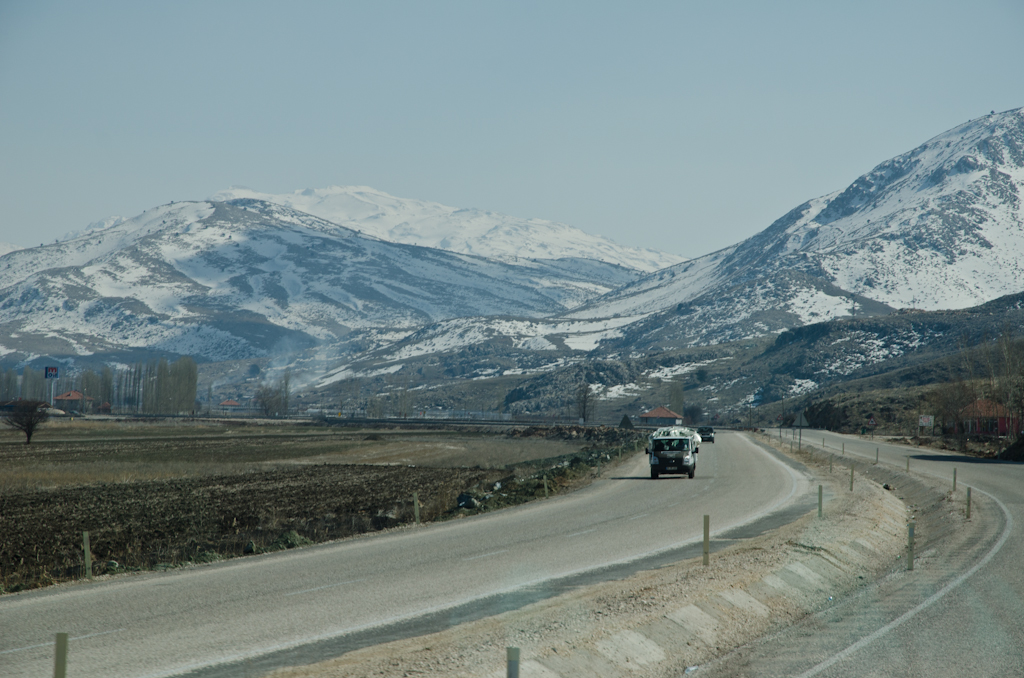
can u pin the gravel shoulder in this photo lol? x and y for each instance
(660, 622)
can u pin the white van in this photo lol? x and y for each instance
(673, 450)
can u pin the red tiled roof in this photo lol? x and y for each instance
(660, 413)
(986, 409)
(71, 395)
(230, 403)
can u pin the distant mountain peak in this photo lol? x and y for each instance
(6, 247)
(462, 230)
(100, 225)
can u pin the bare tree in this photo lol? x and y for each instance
(404, 401)
(286, 391)
(269, 399)
(693, 413)
(27, 416)
(677, 398)
(9, 385)
(1010, 382)
(953, 400)
(584, 401)
(375, 408)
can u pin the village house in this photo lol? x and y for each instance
(987, 417)
(661, 416)
(231, 405)
(73, 401)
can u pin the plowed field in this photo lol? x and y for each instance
(149, 523)
(156, 497)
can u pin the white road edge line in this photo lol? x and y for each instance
(54, 642)
(935, 597)
(576, 534)
(325, 586)
(642, 515)
(484, 555)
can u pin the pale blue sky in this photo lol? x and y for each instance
(681, 126)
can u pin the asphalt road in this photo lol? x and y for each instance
(960, 612)
(170, 623)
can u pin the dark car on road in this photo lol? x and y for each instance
(706, 433)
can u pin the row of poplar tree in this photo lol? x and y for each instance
(154, 387)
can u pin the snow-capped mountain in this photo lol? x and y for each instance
(235, 279)
(467, 231)
(938, 227)
(6, 247)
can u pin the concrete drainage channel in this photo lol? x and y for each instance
(666, 615)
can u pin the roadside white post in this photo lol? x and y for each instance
(844, 449)
(954, 478)
(545, 487)
(908, 463)
(830, 463)
(910, 545)
(707, 539)
(876, 455)
(512, 662)
(416, 506)
(819, 501)
(88, 555)
(851, 477)
(968, 503)
(60, 657)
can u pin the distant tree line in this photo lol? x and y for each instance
(154, 387)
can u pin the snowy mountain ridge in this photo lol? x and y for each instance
(938, 227)
(466, 231)
(245, 277)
